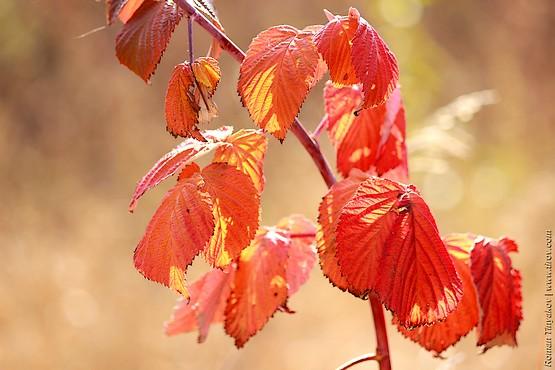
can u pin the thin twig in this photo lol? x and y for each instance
(321, 127)
(190, 33)
(382, 347)
(358, 360)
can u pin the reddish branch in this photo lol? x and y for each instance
(313, 149)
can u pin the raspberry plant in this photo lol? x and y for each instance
(375, 237)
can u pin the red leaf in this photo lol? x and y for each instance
(388, 242)
(128, 8)
(245, 150)
(186, 152)
(499, 291)
(260, 286)
(236, 206)
(144, 38)
(302, 255)
(442, 335)
(188, 97)
(206, 306)
(179, 229)
(278, 70)
(329, 212)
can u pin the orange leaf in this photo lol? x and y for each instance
(388, 243)
(464, 318)
(245, 150)
(144, 38)
(301, 255)
(206, 306)
(188, 97)
(329, 211)
(236, 212)
(179, 229)
(260, 286)
(278, 70)
(128, 8)
(186, 152)
(499, 291)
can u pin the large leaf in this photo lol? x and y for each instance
(260, 286)
(440, 336)
(186, 152)
(179, 229)
(499, 291)
(275, 77)
(245, 150)
(388, 243)
(330, 210)
(188, 97)
(236, 206)
(144, 38)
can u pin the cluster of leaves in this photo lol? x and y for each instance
(375, 234)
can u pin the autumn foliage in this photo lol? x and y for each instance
(375, 236)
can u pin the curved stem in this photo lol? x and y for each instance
(190, 34)
(358, 360)
(313, 149)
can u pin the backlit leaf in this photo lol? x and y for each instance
(329, 212)
(260, 285)
(128, 8)
(440, 336)
(499, 291)
(245, 150)
(179, 229)
(144, 38)
(236, 206)
(186, 152)
(278, 70)
(388, 243)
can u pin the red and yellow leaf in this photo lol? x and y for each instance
(499, 291)
(440, 336)
(260, 285)
(388, 243)
(245, 150)
(186, 152)
(206, 305)
(301, 254)
(278, 70)
(179, 229)
(145, 36)
(330, 210)
(236, 206)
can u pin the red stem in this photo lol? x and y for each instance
(358, 360)
(313, 149)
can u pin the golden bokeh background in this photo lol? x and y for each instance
(77, 130)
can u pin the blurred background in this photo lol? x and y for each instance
(77, 130)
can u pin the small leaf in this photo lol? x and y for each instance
(129, 8)
(499, 291)
(260, 286)
(186, 152)
(245, 151)
(179, 229)
(206, 305)
(144, 38)
(440, 336)
(388, 243)
(236, 212)
(275, 76)
(329, 211)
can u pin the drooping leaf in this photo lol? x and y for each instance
(144, 38)
(206, 305)
(188, 97)
(440, 336)
(260, 286)
(355, 53)
(236, 206)
(245, 150)
(301, 253)
(388, 243)
(499, 291)
(340, 105)
(179, 229)
(329, 212)
(275, 77)
(186, 152)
